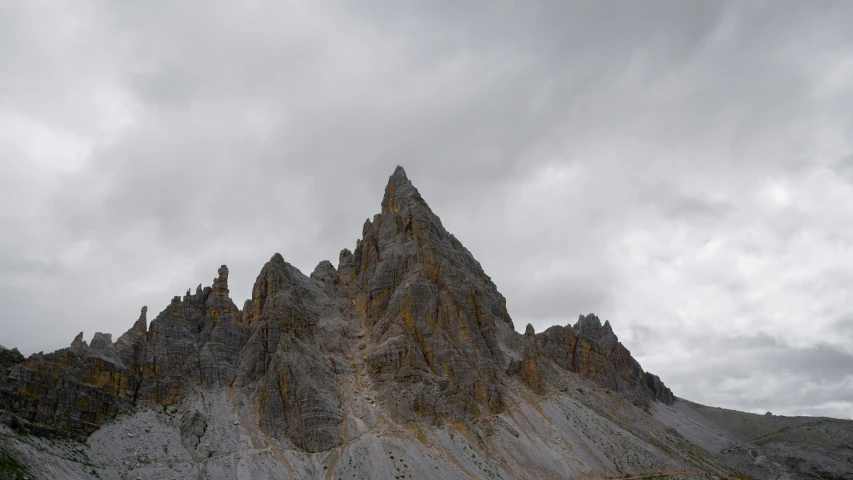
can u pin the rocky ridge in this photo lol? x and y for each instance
(408, 330)
(438, 341)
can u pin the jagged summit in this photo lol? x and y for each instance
(407, 330)
(399, 177)
(424, 305)
(401, 196)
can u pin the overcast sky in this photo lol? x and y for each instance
(682, 169)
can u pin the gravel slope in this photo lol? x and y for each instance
(766, 446)
(580, 432)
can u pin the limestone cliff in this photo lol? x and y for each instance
(593, 350)
(429, 311)
(408, 323)
(8, 358)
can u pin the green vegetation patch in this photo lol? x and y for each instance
(11, 469)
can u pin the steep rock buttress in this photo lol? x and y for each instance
(430, 312)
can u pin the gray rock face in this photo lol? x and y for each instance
(130, 347)
(293, 328)
(430, 312)
(407, 329)
(593, 350)
(8, 358)
(308, 406)
(195, 341)
(69, 392)
(193, 427)
(660, 391)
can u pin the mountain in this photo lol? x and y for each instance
(402, 362)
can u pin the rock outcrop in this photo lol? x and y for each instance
(409, 311)
(69, 392)
(8, 358)
(593, 350)
(296, 336)
(429, 310)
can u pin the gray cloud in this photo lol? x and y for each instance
(679, 167)
(675, 204)
(816, 380)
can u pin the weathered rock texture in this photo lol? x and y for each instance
(592, 349)
(429, 311)
(296, 335)
(193, 342)
(8, 358)
(408, 328)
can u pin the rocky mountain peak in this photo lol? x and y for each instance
(399, 176)
(399, 192)
(101, 341)
(220, 283)
(276, 281)
(431, 312)
(401, 362)
(408, 325)
(324, 270)
(141, 325)
(588, 325)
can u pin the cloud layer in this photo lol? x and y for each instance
(683, 169)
